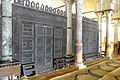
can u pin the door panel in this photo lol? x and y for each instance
(39, 48)
(44, 47)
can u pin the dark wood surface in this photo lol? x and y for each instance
(10, 69)
(104, 11)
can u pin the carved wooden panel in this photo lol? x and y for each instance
(48, 45)
(44, 47)
(57, 42)
(90, 39)
(27, 42)
(39, 47)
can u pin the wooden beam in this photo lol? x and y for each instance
(115, 18)
(104, 10)
(60, 6)
(87, 12)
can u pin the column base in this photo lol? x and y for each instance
(80, 65)
(107, 57)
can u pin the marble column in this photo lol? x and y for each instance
(69, 28)
(100, 30)
(6, 30)
(108, 34)
(116, 32)
(79, 43)
(115, 35)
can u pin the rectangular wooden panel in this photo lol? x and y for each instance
(48, 45)
(90, 39)
(27, 42)
(57, 42)
(64, 41)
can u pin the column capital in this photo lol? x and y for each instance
(68, 1)
(109, 12)
(99, 14)
(80, 1)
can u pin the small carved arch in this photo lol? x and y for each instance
(61, 12)
(37, 5)
(54, 10)
(22, 2)
(32, 4)
(50, 9)
(58, 11)
(42, 7)
(46, 8)
(27, 3)
(15, 1)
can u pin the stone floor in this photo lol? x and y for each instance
(61, 72)
(106, 71)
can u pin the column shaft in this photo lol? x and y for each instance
(79, 43)
(100, 30)
(108, 34)
(115, 36)
(116, 31)
(79, 32)
(6, 30)
(69, 28)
